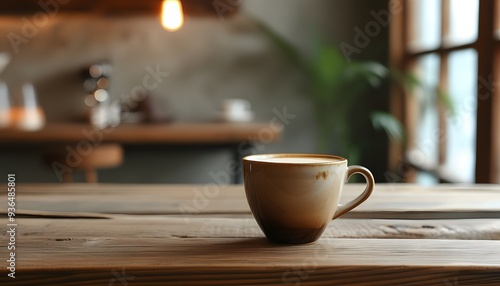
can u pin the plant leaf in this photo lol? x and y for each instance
(388, 123)
(410, 82)
(373, 72)
(328, 68)
(287, 48)
(445, 98)
(407, 80)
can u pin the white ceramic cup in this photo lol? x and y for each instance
(237, 109)
(293, 197)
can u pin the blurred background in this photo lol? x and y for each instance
(396, 86)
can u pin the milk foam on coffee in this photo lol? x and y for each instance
(295, 160)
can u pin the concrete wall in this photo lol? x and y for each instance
(208, 60)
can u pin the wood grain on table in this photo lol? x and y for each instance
(83, 234)
(387, 200)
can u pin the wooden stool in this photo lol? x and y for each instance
(70, 158)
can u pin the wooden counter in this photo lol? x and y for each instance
(239, 138)
(168, 133)
(182, 235)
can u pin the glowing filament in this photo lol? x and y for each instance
(171, 15)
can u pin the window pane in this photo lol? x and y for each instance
(463, 21)
(425, 24)
(426, 179)
(427, 124)
(461, 128)
(495, 92)
(497, 19)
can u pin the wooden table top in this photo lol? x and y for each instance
(81, 234)
(169, 133)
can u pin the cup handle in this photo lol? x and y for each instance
(370, 183)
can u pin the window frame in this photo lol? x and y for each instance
(402, 105)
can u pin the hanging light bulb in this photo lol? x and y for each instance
(171, 15)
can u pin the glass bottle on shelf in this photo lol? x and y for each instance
(25, 113)
(5, 117)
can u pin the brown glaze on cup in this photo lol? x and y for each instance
(293, 197)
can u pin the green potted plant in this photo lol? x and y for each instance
(337, 87)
